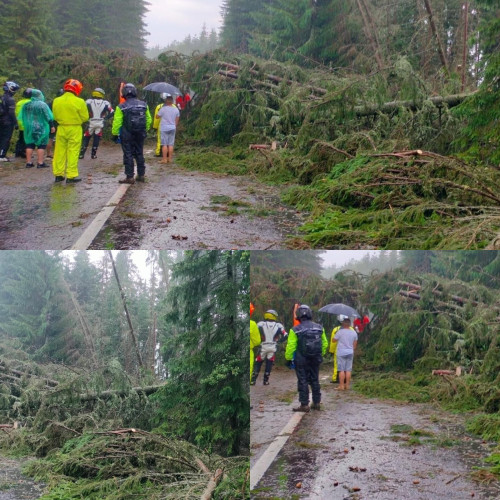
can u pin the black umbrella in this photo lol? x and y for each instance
(340, 309)
(162, 87)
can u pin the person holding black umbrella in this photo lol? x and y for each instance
(347, 340)
(308, 342)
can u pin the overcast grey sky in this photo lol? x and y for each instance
(341, 257)
(169, 20)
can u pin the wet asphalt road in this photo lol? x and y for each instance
(173, 209)
(349, 450)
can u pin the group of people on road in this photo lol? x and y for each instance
(306, 346)
(38, 122)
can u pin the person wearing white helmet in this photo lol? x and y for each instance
(346, 340)
(8, 119)
(99, 110)
(271, 332)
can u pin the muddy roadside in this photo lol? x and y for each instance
(175, 208)
(359, 448)
(14, 485)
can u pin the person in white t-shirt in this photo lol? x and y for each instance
(347, 341)
(169, 119)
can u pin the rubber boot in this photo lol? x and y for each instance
(269, 367)
(256, 370)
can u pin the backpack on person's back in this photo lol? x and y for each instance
(135, 117)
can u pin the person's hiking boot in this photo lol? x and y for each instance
(42, 165)
(93, 154)
(59, 178)
(254, 379)
(140, 178)
(127, 180)
(73, 180)
(266, 379)
(316, 406)
(302, 408)
(4, 158)
(30, 165)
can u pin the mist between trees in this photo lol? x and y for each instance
(110, 374)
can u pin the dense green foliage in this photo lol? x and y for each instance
(31, 29)
(206, 352)
(72, 364)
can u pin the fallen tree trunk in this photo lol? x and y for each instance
(413, 286)
(17, 374)
(389, 107)
(148, 390)
(212, 484)
(273, 78)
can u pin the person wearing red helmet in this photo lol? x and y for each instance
(70, 113)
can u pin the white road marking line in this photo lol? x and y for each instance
(266, 459)
(96, 225)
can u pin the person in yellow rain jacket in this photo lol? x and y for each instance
(333, 347)
(254, 338)
(70, 112)
(156, 124)
(20, 144)
(306, 344)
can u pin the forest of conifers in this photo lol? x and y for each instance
(126, 372)
(384, 114)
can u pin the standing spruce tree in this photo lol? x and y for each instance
(239, 23)
(35, 311)
(25, 32)
(103, 24)
(206, 348)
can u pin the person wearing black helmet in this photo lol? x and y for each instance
(131, 122)
(307, 341)
(8, 120)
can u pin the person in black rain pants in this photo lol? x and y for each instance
(306, 344)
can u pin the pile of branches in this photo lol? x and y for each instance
(131, 461)
(404, 199)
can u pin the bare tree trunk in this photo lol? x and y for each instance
(464, 52)
(442, 55)
(369, 32)
(131, 328)
(87, 334)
